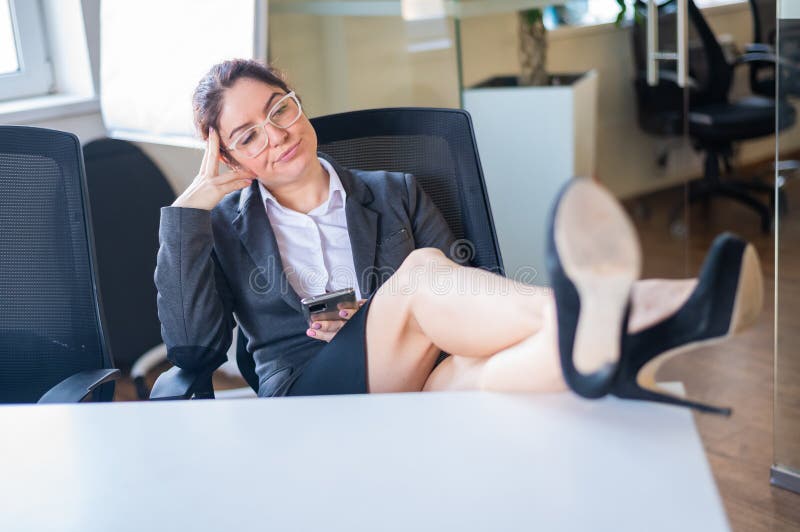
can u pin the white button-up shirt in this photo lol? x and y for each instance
(315, 247)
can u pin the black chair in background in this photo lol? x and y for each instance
(127, 191)
(53, 346)
(714, 122)
(762, 73)
(438, 147)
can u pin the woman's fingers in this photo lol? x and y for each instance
(227, 177)
(320, 335)
(327, 326)
(236, 185)
(204, 163)
(212, 165)
(327, 329)
(209, 187)
(324, 330)
(347, 313)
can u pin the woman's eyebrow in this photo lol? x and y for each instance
(246, 124)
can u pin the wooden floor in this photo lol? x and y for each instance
(740, 371)
(737, 373)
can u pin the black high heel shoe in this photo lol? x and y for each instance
(593, 258)
(728, 297)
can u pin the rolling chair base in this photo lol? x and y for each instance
(748, 193)
(741, 192)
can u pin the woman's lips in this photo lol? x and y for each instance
(288, 154)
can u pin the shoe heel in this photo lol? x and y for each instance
(636, 380)
(750, 292)
(631, 391)
(728, 298)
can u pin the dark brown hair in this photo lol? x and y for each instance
(207, 97)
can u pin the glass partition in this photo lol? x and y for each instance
(786, 471)
(583, 119)
(351, 56)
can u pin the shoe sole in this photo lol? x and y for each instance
(600, 254)
(747, 307)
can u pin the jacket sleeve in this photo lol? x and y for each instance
(195, 304)
(429, 227)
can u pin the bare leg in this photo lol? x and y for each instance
(503, 334)
(532, 364)
(652, 300)
(432, 304)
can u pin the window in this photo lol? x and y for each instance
(24, 66)
(593, 12)
(148, 76)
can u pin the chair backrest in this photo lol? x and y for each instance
(789, 50)
(711, 74)
(765, 22)
(127, 191)
(51, 324)
(762, 73)
(438, 147)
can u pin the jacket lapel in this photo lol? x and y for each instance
(256, 234)
(362, 225)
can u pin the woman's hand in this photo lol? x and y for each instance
(326, 330)
(209, 187)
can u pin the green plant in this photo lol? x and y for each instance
(532, 16)
(623, 8)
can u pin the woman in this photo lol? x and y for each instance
(287, 222)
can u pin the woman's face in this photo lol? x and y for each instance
(291, 153)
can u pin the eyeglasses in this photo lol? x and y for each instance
(254, 140)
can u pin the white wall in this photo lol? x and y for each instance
(789, 9)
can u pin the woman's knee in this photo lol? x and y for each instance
(422, 258)
(421, 264)
(416, 272)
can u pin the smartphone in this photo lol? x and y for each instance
(327, 306)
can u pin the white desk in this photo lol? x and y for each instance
(406, 462)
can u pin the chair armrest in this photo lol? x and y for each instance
(149, 360)
(672, 76)
(179, 383)
(757, 47)
(76, 387)
(143, 365)
(765, 57)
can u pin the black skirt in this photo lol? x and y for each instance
(341, 366)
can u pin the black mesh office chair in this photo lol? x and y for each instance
(763, 74)
(127, 191)
(438, 147)
(715, 123)
(52, 339)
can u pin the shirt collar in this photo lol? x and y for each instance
(337, 196)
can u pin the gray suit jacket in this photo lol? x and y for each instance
(214, 265)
